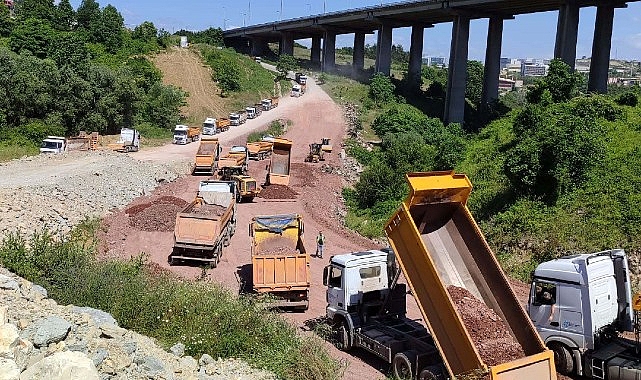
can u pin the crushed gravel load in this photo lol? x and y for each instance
(158, 215)
(76, 185)
(209, 210)
(276, 246)
(490, 334)
(277, 192)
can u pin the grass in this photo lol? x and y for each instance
(275, 129)
(11, 152)
(207, 318)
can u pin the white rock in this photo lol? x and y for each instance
(68, 365)
(8, 339)
(9, 370)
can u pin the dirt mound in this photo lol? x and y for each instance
(306, 174)
(277, 192)
(489, 332)
(157, 215)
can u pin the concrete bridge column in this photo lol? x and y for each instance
(316, 50)
(416, 57)
(601, 45)
(567, 29)
(457, 72)
(492, 68)
(258, 47)
(329, 51)
(384, 49)
(286, 45)
(358, 61)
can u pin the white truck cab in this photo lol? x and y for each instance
(209, 126)
(267, 104)
(296, 91)
(578, 304)
(251, 112)
(180, 134)
(53, 144)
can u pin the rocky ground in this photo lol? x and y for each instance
(40, 339)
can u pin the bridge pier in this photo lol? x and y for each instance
(329, 51)
(457, 71)
(258, 47)
(601, 45)
(358, 61)
(286, 45)
(492, 68)
(416, 57)
(567, 29)
(384, 49)
(315, 56)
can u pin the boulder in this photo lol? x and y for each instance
(8, 283)
(8, 339)
(99, 317)
(68, 365)
(46, 331)
(9, 370)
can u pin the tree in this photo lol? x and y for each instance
(227, 74)
(562, 82)
(162, 105)
(399, 55)
(65, 16)
(68, 49)
(381, 88)
(6, 22)
(474, 82)
(39, 9)
(146, 32)
(400, 118)
(109, 30)
(285, 64)
(88, 15)
(32, 35)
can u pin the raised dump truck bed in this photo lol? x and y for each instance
(438, 244)
(280, 162)
(207, 156)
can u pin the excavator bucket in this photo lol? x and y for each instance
(438, 244)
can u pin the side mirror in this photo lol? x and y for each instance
(326, 275)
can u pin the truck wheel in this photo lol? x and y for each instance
(562, 358)
(431, 373)
(171, 260)
(343, 337)
(402, 364)
(214, 263)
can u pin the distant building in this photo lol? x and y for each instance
(434, 61)
(506, 84)
(505, 62)
(533, 69)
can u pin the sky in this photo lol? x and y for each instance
(526, 36)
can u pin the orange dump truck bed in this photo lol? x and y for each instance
(280, 162)
(207, 156)
(280, 264)
(438, 244)
(260, 149)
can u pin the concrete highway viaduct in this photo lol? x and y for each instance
(323, 29)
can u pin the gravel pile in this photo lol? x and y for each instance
(157, 215)
(40, 339)
(276, 245)
(209, 210)
(490, 334)
(77, 185)
(277, 192)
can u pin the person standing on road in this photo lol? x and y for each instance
(320, 241)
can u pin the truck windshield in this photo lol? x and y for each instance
(234, 117)
(180, 133)
(51, 144)
(208, 125)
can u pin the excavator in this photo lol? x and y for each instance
(316, 153)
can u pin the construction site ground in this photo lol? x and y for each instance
(140, 220)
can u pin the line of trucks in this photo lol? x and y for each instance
(300, 87)
(212, 126)
(435, 243)
(128, 141)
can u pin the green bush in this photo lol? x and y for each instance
(381, 88)
(627, 99)
(203, 316)
(276, 129)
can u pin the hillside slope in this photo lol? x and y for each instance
(185, 69)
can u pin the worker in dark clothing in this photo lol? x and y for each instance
(320, 242)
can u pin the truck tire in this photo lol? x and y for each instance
(562, 358)
(214, 262)
(343, 337)
(431, 373)
(403, 363)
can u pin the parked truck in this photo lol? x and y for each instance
(238, 118)
(301, 78)
(206, 225)
(280, 162)
(237, 159)
(280, 263)
(266, 104)
(580, 304)
(184, 134)
(259, 150)
(275, 100)
(53, 144)
(129, 141)
(253, 111)
(209, 126)
(436, 243)
(259, 108)
(296, 91)
(207, 156)
(222, 124)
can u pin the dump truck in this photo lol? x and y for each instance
(275, 100)
(129, 141)
(205, 225)
(296, 91)
(301, 78)
(209, 126)
(222, 124)
(316, 153)
(207, 156)
(436, 243)
(53, 144)
(259, 108)
(238, 118)
(280, 263)
(580, 305)
(280, 162)
(236, 159)
(259, 150)
(253, 111)
(266, 104)
(184, 134)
